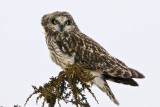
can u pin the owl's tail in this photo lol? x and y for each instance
(126, 81)
(122, 79)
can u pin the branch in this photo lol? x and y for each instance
(69, 87)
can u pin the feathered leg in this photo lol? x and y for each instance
(109, 93)
(100, 82)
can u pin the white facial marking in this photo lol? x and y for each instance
(62, 21)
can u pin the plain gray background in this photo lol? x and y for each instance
(127, 29)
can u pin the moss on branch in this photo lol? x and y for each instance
(69, 87)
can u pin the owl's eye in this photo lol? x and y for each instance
(54, 21)
(67, 22)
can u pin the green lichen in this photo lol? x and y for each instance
(69, 87)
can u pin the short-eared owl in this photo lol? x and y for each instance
(68, 45)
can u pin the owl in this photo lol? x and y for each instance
(68, 45)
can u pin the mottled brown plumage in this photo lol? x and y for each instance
(68, 45)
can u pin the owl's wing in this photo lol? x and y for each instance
(95, 57)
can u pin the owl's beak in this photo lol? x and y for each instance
(61, 28)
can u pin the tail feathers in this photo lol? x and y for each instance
(126, 81)
(136, 74)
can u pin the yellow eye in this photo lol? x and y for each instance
(68, 22)
(54, 21)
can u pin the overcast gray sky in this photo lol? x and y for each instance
(127, 29)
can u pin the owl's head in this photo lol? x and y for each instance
(58, 22)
